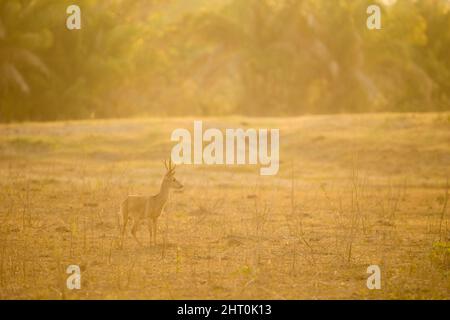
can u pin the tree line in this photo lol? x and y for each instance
(220, 57)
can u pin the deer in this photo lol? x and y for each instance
(140, 209)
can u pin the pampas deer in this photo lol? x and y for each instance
(141, 209)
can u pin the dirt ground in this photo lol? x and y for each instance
(352, 191)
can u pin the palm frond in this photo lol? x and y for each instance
(27, 57)
(12, 75)
(2, 30)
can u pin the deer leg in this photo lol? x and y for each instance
(123, 233)
(154, 230)
(123, 215)
(150, 230)
(134, 230)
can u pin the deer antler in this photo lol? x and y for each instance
(169, 167)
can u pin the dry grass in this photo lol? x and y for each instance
(352, 191)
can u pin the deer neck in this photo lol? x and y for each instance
(163, 194)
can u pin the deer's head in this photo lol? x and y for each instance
(169, 178)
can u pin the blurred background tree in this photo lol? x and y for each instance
(219, 57)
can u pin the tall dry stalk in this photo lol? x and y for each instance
(444, 208)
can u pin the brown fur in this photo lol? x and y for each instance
(141, 209)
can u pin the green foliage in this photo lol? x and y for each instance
(256, 57)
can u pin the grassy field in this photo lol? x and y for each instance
(352, 191)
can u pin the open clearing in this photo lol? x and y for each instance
(352, 191)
